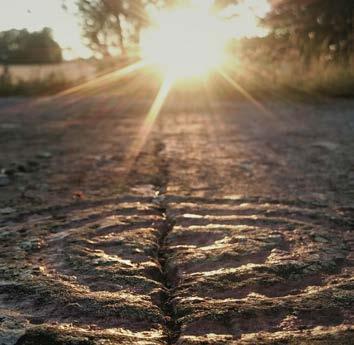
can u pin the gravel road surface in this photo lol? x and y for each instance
(227, 223)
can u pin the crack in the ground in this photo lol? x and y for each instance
(172, 328)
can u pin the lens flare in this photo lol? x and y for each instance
(185, 42)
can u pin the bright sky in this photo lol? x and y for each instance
(36, 14)
(245, 23)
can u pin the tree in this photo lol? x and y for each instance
(315, 27)
(111, 25)
(23, 47)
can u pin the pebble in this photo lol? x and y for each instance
(11, 329)
(321, 239)
(7, 126)
(327, 145)
(4, 235)
(4, 181)
(31, 245)
(44, 155)
(7, 210)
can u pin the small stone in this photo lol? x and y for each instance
(4, 181)
(319, 197)
(340, 256)
(27, 167)
(9, 171)
(311, 268)
(22, 168)
(274, 239)
(12, 329)
(21, 188)
(32, 163)
(5, 235)
(44, 155)
(9, 126)
(321, 239)
(327, 145)
(31, 245)
(7, 210)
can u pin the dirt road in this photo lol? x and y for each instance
(229, 224)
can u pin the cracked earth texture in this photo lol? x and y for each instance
(231, 225)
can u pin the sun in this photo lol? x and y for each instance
(184, 42)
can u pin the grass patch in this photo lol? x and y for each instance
(47, 86)
(283, 79)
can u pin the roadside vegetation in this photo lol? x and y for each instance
(271, 69)
(46, 86)
(309, 47)
(44, 79)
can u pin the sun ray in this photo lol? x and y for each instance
(244, 93)
(159, 101)
(103, 79)
(149, 121)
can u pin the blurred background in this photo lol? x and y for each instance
(273, 47)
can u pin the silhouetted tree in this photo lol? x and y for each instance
(315, 27)
(113, 24)
(110, 24)
(23, 47)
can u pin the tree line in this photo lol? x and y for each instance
(111, 25)
(23, 47)
(313, 27)
(316, 28)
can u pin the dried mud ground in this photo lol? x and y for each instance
(227, 225)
